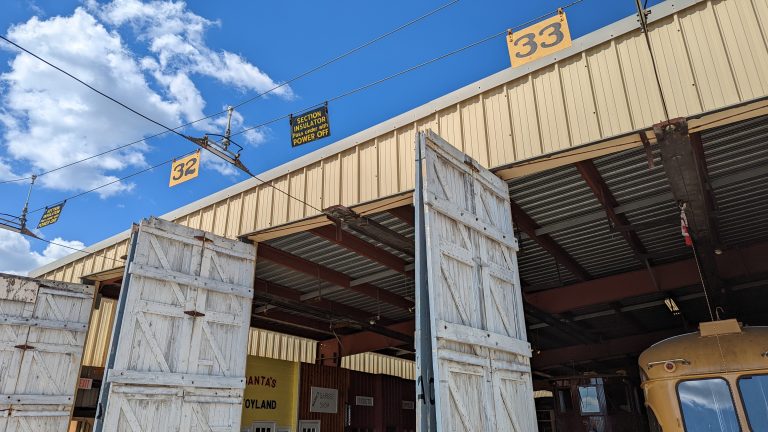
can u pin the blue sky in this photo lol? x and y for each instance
(137, 52)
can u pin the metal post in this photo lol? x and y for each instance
(23, 218)
(105, 384)
(228, 132)
(426, 415)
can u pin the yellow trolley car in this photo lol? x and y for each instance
(715, 380)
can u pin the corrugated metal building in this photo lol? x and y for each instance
(587, 100)
(596, 215)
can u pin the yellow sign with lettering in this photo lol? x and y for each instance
(51, 215)
(539, 40)
(271, 392)
(185, 169)
(310, 126)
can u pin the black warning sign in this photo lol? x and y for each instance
(51, 215)
(310, 126)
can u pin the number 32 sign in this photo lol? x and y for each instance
(184, 169)
(539, 40)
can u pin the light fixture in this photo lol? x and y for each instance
(672, 306)
(718, 251)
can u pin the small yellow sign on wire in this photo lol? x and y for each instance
(184, 169)
(51, 215)
(539, 40)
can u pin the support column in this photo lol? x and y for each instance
(688, 183)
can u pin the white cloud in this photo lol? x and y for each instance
(17, 256)
(48, 120)
(176, 36)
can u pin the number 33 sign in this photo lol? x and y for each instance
(184, 169)
(539, 40)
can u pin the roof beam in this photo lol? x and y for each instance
(709, 197)
(347, 217)
(324, 311)
(602, 350)
(310, 268)
(300, 322)
(570, 329)
(405, 213)
(269, 290)
(359, 246)
(527, 225)
(687, 181)
(367, 341)
(595, 181)
(731, 264)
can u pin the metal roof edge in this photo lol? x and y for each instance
(601, 35)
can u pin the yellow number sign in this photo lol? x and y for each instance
(184, 169)
(539, 40)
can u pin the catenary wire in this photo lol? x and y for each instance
(247, 101)
(115, 181)
(340, 96)
(403, 72)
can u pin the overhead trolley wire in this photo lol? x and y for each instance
(239, 104)
(340, 96)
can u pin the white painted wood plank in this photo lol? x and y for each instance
(185, 279)
(175, 379)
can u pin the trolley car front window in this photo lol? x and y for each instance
(707, 405)
(754, 394)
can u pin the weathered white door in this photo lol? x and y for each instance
(43, 325)
(182, 332)
(473, 359)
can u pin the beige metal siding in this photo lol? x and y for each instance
(380, 364)
(711, 54)
(99, 334)
(265, 343)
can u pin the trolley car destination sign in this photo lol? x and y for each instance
(310, 126)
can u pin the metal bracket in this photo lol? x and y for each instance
(24, 347)
(648, 151)
(681, 361)
(194, 313)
